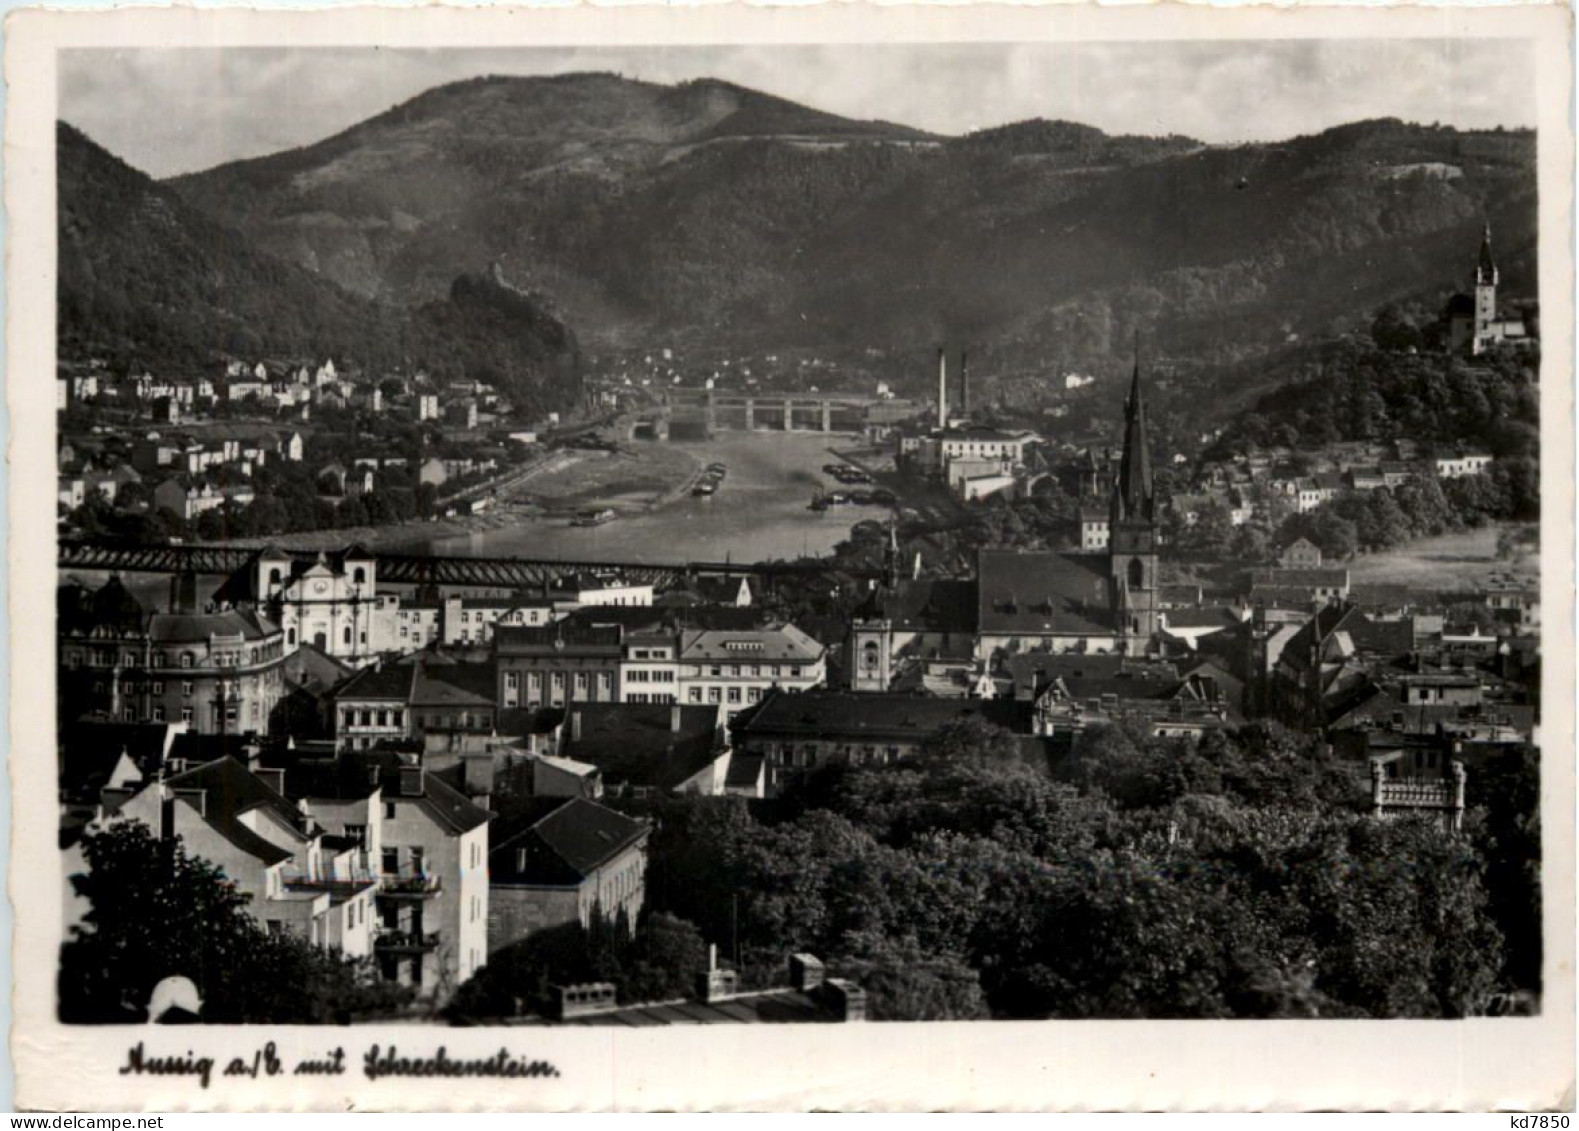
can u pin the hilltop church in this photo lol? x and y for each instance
(1474, 322)
(1025, 601)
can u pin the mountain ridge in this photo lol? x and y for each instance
(145, 278)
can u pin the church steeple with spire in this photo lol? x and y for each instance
(1486, 272)
(1132, 537)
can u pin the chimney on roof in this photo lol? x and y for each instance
(806, 972)
(412, 782)
(964, 384)
(846, 999)
(274, 779)
(714, 984)
(183, 592)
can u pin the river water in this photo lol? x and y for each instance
(760, 512)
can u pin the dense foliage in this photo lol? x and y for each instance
(156, 912)
(1352, 390)
(1235, 878)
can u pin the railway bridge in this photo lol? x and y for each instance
(423, 569)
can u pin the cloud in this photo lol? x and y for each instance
(169, 111)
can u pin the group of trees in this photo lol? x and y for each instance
(1237, 877)
(155, 912)
(1234, 876)
(1353, 390)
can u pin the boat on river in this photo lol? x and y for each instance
(593, 517)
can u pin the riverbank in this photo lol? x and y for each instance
(760, 512)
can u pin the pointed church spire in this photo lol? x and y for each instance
(1486, 274)
(1135, 496)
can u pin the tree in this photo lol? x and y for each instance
(154, 911)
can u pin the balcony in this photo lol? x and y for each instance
(398, 941)
(407, 886)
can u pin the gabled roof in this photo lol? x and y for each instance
(871, 717)
(1032, 593)
(89, 747)
(231, 790)
(355, 774)
(566, 845)
(639, 743)
(939, 605)
(750, 645)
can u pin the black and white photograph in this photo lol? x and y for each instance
(653, 536)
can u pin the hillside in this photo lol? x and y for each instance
(147, 279)
(707, 216)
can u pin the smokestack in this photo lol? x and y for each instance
(964, 384)
(942, 388)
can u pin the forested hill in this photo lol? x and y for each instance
(146, 279)
(705, 215)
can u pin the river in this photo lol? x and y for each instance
(759, 513)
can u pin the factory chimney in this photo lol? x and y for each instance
(964, 384)
(942, 388)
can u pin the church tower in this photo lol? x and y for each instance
(1132, 538)
(1485, 293)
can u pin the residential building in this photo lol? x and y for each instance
(794, 732)
(736, 668)
(426, 846)
(558, 861)
(220, 672)
(554, 665)
(643, 749)
(419, 694)
(298, 880)
(1457, 464)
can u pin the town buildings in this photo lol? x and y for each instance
(220, 671)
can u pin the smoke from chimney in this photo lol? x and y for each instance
(964, 384)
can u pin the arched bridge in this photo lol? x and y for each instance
(421, 569)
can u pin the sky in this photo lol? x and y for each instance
(176, 110)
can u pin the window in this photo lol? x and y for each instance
(230, 713)
(346, 635)
(734, 694)
(357, 833)
(389, 810)
(129, 714)
(186, 659)
(696, 695)
(186, 714)
(159, 714)
(416, 861)
(158, 687)
(391, 860)
(712, 695)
